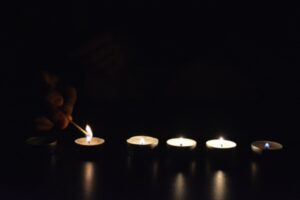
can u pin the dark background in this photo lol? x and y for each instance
(200, 70)
(211, 66)
(222, 55)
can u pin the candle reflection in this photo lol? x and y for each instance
(179, 187)
(219, 185)
(155, 171)
(53, 163)
(88, 180)
(193, 168)
(254, 171)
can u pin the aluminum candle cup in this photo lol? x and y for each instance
(89, 146)
(266, 149)
(41, 145)
(221, 150)
(141, 144)
(95, 141)
(89, 150)
(220, 144)
(265, 146)
(142, 141)
(182, 143)
(181, 147)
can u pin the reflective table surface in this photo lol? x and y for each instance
(115, 173)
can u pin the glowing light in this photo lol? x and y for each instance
(142, 141)
(89, 135)
(220, 144)
(180, 187)
(181, 141)
(221, 141)
(88, 179)
(267, 145)
(219, 185)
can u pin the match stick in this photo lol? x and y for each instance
(81, 129)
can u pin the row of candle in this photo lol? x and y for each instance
(181, 143)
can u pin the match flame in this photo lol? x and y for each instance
(89, 135)
(142, 141)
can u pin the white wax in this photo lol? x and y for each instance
(182, 142)
(143, 140)
(220, 144)
(260, 146)
(94, 141)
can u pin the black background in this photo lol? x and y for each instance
(251, 49)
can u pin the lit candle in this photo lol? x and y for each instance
(182, 143)
(265, 146)
(143, 141)
(142, 146)
(220, 144)
(221, 152)
(89, 140)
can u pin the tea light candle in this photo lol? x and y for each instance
(265, 146)
(220, 144)
(141, 147)
(89, 140)
(143, 141)
(221, 152)
(41, 144)
(182, 143)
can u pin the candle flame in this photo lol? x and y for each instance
(267, 145)
(89, 136)
(142, 141)
(221, 141)
(181, 141)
